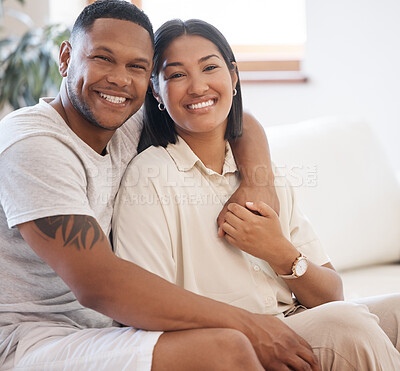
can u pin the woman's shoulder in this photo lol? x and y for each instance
(151, 155)
(151, 165)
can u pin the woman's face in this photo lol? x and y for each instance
(196, 86)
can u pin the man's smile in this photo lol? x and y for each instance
(112, 98)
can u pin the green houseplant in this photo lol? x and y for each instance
(28, 63)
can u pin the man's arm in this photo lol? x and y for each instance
(253, 159)
(79, 252)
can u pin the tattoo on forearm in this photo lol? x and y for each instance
(82, 231)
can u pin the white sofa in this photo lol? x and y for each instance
(351, 195)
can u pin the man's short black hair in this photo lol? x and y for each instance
(115, 9)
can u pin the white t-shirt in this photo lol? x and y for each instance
(47, 170)
(165, 221)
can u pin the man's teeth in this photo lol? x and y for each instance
(201, 105)
(112, 98)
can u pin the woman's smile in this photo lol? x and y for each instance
(204, 104)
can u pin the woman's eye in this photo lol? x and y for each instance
(210, 68)
(176, 75)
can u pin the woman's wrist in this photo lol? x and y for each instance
(287, 255)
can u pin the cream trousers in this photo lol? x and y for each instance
(344, 336)
(349, 336)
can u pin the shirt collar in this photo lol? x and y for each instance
(185, 159)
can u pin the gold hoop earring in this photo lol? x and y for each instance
(234, 92)
(161, 107)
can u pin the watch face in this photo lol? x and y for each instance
(301, 267)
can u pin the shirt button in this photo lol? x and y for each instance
(256, 268)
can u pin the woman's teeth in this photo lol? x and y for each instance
(201, 105)
(112, 98)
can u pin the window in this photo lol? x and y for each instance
(267, 36)
(65, 12)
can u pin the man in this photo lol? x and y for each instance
(61, 286)
(60, 283)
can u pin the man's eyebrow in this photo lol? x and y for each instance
(136, 60)
(201, 60)
(141, 60)
(103, 48)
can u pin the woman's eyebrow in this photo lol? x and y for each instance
(201, 60)
(172, 64)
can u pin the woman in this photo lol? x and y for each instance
(173, 191)
(196, 108)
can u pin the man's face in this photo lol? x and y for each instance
(108, 72)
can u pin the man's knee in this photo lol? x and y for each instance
(217, 349)
(233, 347)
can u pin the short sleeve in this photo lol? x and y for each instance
(302, 234)
(41, 176)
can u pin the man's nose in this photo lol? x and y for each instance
(119, 76)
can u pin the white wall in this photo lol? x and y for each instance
(352, 62)
(353, 65)
(38, 11)
(65, 12)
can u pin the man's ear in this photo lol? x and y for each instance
(64, 58)
(234, 75)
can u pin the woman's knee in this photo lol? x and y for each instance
(344, 315)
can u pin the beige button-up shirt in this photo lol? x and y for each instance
(165, 221)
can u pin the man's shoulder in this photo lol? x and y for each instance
(126, 138)
(32, 115)
(40, 119)
(132, 128)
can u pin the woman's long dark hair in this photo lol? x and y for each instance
(159, 128)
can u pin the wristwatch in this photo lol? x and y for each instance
(299, 267)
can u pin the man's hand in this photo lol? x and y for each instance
(247, 193)
(278, 347)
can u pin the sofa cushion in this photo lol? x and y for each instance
(371, 281)
(344, 185)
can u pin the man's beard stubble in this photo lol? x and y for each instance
(84, 109)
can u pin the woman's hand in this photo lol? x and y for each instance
(257, 231)
(266, 193)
